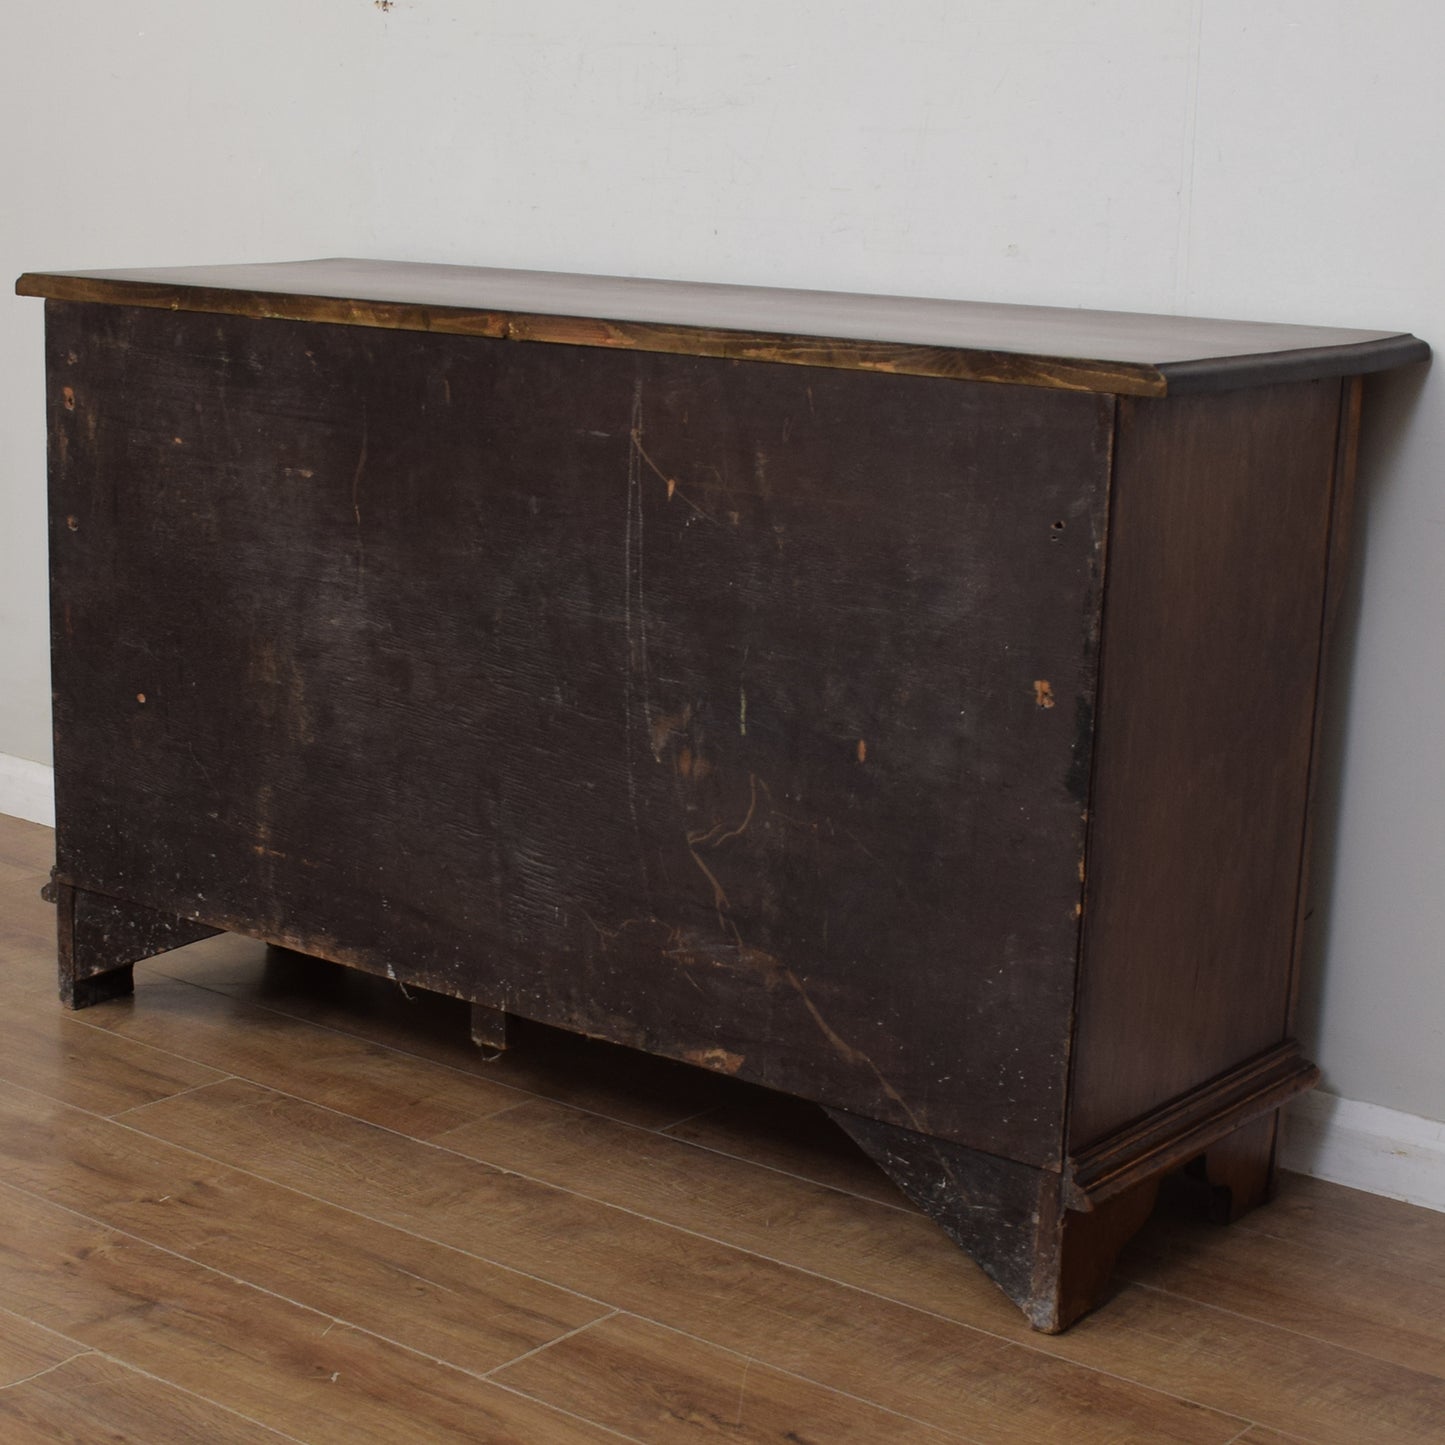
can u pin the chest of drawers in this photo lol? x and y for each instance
(905, 705)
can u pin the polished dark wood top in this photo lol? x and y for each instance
(1103, 351)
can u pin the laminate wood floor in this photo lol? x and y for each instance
(272, 1200)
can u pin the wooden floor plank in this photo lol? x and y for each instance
(663, 1387)
(1387, 1308)
(274, 1362)
(25, 917)
(895, 1253)
(26, 1349)
(1318, 1317)
(395, 1090)
(92, 1398)
(412, 1291)
(26, 845)
(903, 1257)
(903, 1359)
(1271, 1376)
(1351, 1227)
(55, 1055)
(794, 1137)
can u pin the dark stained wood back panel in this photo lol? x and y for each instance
(1217, 559)
(573, 680)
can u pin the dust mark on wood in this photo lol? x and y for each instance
(720, 1060)
(666, 726)
(691, 764)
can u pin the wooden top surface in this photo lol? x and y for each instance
(1107, 351)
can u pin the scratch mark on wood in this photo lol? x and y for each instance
(669, 482)
(635, 625)
(663, 728)
(356, 477)
(747, 817)
(742, 1387)
(1043, 694)
(719, 897)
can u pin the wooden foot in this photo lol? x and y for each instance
(1089, 1248)
(489, 1028)
(1054, 1263)
(101, 938)
(1049, 1240)
(1240, 1169)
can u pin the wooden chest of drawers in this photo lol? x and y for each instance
(906, 705)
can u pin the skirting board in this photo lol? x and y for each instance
(27, 790)
(1367, 1147)
(1362, 1145)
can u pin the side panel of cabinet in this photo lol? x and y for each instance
(1218, 555)
(737, 712)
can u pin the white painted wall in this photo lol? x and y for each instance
(1279, 161)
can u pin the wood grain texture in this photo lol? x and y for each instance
(444, 1303)
(1390, 1310)
(43, 1051)
(26, 1349)
(890, 1252)
(101, 937)
(1212, 1118)
(1342, 1346)
(656, 1385)
(91, 1398)
(1351, 1225)
(291, 1368)
(905, 1360)
(1193, 870)
(1117, 352)
(626, 626)
(378, 1084)
(793, 1137)
(25, 845)
(740, 714)
(1324, 1393)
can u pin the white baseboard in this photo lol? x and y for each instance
(1362, 1145)
(1367, 1147)
(27, 790)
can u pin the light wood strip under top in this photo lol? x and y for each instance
(1118, 352)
